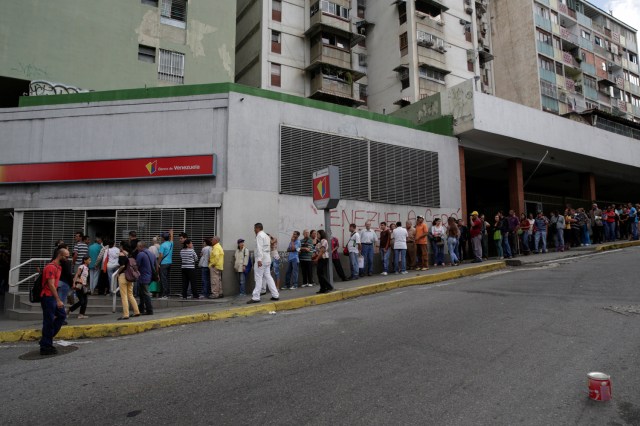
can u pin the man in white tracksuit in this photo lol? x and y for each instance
(262, 267)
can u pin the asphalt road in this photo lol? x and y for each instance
(507, 348)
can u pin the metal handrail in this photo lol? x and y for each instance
(115, 290)
(11, 271)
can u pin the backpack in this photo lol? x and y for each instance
(131, 272)
(35, 292)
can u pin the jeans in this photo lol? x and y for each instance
(453, 247)
(585, 235)
(559, 239)
(94, 278)
(275, 268)
(541, 235)
(499, 247)
(63, 291)
(439, 253)
(634, 230)
(401, 258)
(52, 320)
(189, 278)
(145, 298)
(164, 279)
(384, 254)
(525, 241)
(305, 266)
(353, 262)
(609, 231)
(242, 280)
(367, 252)
(83, 298)
(505, 244)
(291, 277)
(206, 281)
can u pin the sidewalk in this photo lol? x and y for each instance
(232, 307)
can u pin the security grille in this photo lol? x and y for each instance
(175, 10)
(171, 66)
(369, 171)
(40, 231)
(197, 223)
(302, 152)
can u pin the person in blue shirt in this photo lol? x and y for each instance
(293, 259)
(633, 218)
(95, 267)
(165, 258)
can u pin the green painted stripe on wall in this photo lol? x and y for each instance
(442, 126)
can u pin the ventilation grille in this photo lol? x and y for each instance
(369, 171)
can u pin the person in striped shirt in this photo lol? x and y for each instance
(80, 250)
(189, 260)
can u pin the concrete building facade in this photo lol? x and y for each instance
(391, 169)
(68, 46)
(363, 53)
(565, 56)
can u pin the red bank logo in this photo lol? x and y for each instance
(152, 167)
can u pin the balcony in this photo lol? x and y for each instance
(585, 43)
(547, 75)
(320, 19)
(568, 37)
(549, 104)
(329, 89)
(604, 98)
(636, 110)
(588, 68)
(321, 53)
(545, 49)
(545, 2)
(568, 59)
(583, 20)
(590, 93)
(633, 67)
(562, 8)
(543, 23)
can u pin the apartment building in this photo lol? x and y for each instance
(579, 58)
(363, 53)
(69, 46)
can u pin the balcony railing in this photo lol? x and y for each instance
(545, 49)
(636, 110)
(548, 75)
(588, 68)
(590, 93)
(550, 104)
(330, 55)
(568, 35)
(583, 20)
(543, 23)
(585, 44)
(604, 97)
(568, 59)
(633, 67)
(321, 83)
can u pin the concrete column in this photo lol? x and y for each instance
(588, 186)
(16, 247)
(463, 185)
(516, 185)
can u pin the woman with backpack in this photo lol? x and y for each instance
(127, 271)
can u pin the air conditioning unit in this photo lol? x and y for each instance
(441, 49)
(428, 43)
(469, 10)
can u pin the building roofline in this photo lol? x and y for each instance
(604, 12)
(443, 126)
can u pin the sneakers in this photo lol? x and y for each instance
(404, 272)
(80, 316)
(384, 274)
(249, 302)
(275, 299)
(164, 298)
(48, 351)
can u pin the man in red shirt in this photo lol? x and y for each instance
(53, 313)
(476, 236)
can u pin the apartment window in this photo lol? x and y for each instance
(635, 101)
(275, 75)
(544, 37)
(276, 46)
(405, 82)
(150, 2)
(470, 66)
(429, 40)
(542, 11)
(404, 44)
(276, 10)
(590, 82)
(174, 12)
(171, 66)
(554, 17)
(634, 79)
(545, 64)
(597, 40)
(557, 43)
(431, 74)
(146, 53)
(402, 12)
(330, 8)
(585, 34)
(467, 33)
(633, 58)
(559, 68)
(330, 39)
(362, 59)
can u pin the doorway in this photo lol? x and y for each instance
(101, 222)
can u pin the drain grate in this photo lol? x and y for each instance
(35, 355)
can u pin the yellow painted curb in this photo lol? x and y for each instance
(614, 246)
(119, 329)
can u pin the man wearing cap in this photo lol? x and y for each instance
(262, 269)
(422, 256)
(476, 237)
(216, 265)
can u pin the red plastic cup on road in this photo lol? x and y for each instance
(599, 386)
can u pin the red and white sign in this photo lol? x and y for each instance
(136, 168)
(326, 188)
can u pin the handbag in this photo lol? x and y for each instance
(154, 287)
(497, 235)
(345, 251)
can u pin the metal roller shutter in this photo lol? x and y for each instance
(41, 229)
